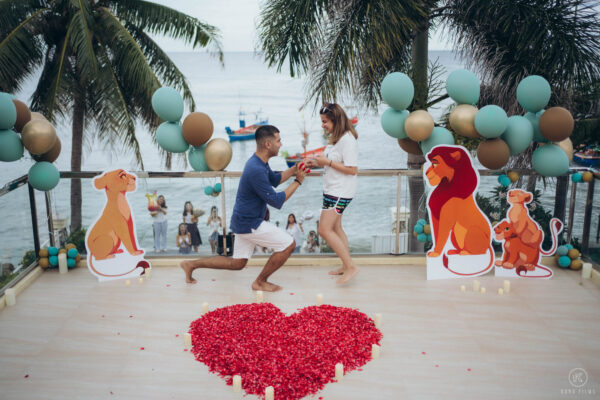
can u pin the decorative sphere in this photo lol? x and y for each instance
(208, 190)
(422, 222)
(217, 188)
(513, 176)
(550, 160)
(53, 251)
(52, 154)
(170, 138)
(8, 112)
(569, 246)
(427, 229)
(419, 125)
(23, 115)
(587, 176)
(577, 177)
(504, 180)
(53, 260)
(218, 154)
(43, 253)
(564, 261)
(491, 121)
(493, 153)
(197, 128)
(410, 146)
(168, 104)
(518, 134)
(71, 262)
(534, 119)
(38, 136)
(576, 265)
(11, 146)
(533, 93)
(44, 262)
(419, 228)
(462, 120)
(72, 253)
(422, 237)
(439, 136)
(397, 90)
(567, 146)
(392, 122)
(196, 159)
(556, 124)
(573, 254)
(463, 86)
(562, 250)
(44, 176)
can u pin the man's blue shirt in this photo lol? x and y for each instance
(255, 191)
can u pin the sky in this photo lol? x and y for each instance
(236, 20)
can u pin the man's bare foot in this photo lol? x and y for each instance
(188, 267)
(265, 286)
(348, 274)
(339, 271)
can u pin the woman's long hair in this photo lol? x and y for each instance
(341, 123)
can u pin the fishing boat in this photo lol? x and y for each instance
(245, 132)
(590, 157)
(293, 160)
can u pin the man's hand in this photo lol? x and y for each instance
(301, 174)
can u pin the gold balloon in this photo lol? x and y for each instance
(556, 124)
(23, 115)
(567, 147)
(38, 136)
(427, 229)
(576, 264)
(419, 125)
(197, 128)
(513, 176)
(410, 146)
(587, 176)
(217, 154)
(52, 154)
(37, 115)
(462, 120)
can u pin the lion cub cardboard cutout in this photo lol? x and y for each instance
(111, 241)
(522, 238)
(462, 234)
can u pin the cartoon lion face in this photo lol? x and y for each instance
(503, 231)
(117, 180)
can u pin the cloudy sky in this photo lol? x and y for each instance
(236, 20)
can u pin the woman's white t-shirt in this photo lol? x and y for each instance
(159, 216)
(296, 233)
(188, 218)
(336, 183)
(215, 224)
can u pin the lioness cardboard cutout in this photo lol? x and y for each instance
(111, 241)
(462, 234)
(522, 238)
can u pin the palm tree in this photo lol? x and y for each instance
(99, 65)
(347, 47)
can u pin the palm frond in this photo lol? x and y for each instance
(81, 42)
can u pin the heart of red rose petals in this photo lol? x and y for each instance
(295, 354)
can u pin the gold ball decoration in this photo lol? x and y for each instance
(44, 262)
(43, 253)
(23, 115)
(576, 265)
(52, 154)
(419, 125)
(37, 115)
(410, 146)
(217, 154)
(573, 254)
(493, 153)
(556, 124)
(587, 176)
(70, 246)
(427, 229)
(567, 147)
(513, 176)
(462, 120)
(38, 136)
(61, 251)
(197, 128)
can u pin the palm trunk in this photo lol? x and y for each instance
(76, 150)
(420, 49)
(560, 200)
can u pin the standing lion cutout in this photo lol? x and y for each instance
(462, 234)
(111, 242)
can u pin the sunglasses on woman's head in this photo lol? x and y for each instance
(326, 109)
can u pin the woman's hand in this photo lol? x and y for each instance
(322, 161)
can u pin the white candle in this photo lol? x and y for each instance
(586, 271)
(188, 339)
(476, 286)
(140, 280)
(9, 297)
(483, 290)
(377, 321)
(204, 308)
(237, 383)
(507, 287)
(339, 371)
(463, 288)
(269, 393)
(62, 263)
(500, 291)
(259, 296)
(127, 282)
(319, 299)
(374, 351)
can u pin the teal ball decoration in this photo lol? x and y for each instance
(569, 246)
(422, 222)
(533, 93)
(392, 122)
(8, 112)
(208, 190)
(71, 262)
(168, 104)
(53, 260)
(562, 250)
(170, 137)
(44, 176)
(11, 146)
(217, 188)
(518, 134)
(72, 253)
(564, 261)
(577, 177)
(397, 90)
(422, 237)
(429, 238)
(491, 121)
(52, 251)
(196, 159)
(504, 180)
(463, 86)
(418, 228)
(438, 137)
(550, 160)
(534, 119)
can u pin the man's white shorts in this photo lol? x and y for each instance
(266, 235)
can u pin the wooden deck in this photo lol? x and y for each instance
(70, 337)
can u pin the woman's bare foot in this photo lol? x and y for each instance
(188, 267)
(339, 271)
(349, 273)
(265, 286)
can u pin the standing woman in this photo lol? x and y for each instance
(159, 218)
(192, 225)
(340, 161)
(295, 230)
(214, 221)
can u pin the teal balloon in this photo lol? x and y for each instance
(439, 136)
(8, 112)
(533, 93)
(429, 238)
(504, 180)
(491, 121)
(196, 159)
(71, 262)
(397, 90)
(392, 122)
(208, 190)
(422, 237)
(463, 86)
(72, 253)
(569, 246)
(170, 137)
(418, 228)
(422, 222)
(52, 251)
(217, 188)
(562, 250)
(168, 104)
(564, 261)
(550, 160)
(44, 176)
(577, 177)
(11, 146)
(518, 134)
(534, 119)
(53, 260)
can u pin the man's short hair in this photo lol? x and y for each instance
(263, 133)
